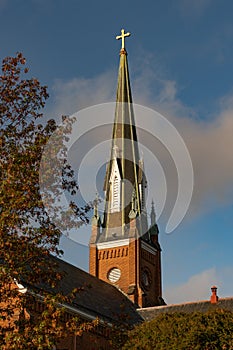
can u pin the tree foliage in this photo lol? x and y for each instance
(195, 331)
(27, 234)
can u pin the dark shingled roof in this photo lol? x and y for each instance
(98, 298)
(150, 313)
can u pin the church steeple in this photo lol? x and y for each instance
(121, 250)
(122, 176)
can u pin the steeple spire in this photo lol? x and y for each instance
(122, 177)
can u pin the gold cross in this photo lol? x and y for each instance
(122, 36)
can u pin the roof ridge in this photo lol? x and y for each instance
(181, 304)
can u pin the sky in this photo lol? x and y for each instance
(180, 60)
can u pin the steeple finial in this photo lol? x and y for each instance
(96, 205)
(153, 215)
(96, 223)
(122, 37)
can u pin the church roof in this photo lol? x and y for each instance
(96, 297)
(150, 313)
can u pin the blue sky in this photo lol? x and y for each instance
(180, 58)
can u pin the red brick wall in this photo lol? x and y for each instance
(87, 341)
(152, 263)
(131, 260)
(110, 258)
(93, 266)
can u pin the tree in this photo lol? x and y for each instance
(27, 234)
(200, 331)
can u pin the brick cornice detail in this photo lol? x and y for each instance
(113, 253)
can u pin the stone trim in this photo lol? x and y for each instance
(113, 244)
(148, 248)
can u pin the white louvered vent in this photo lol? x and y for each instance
(114, 275)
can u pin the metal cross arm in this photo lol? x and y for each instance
(122, 36)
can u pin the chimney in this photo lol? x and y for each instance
(214, 297)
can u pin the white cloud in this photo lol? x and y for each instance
(78, 93)
(210, 145)
(209, 142)
(198, 287)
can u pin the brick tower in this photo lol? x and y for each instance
(124, 249)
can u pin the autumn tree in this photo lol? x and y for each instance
(195, 331)
(27, 234)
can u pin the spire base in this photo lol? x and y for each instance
(123, 52)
